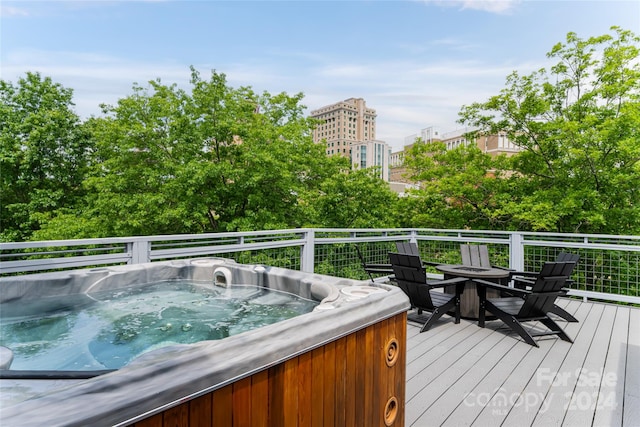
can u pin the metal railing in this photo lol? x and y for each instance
(609, 267)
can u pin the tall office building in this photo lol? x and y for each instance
(370, 154)
(343, 124)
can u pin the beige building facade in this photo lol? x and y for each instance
(343, 124)
(490, 144)
(348, 128)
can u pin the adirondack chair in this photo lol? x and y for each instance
(562, 257)
(522, 280)
(371, 269)
(528, 305)
(411, 248)
(412, 279)
(475, 255)
(478, 256)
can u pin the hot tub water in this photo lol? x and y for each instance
(108, 329)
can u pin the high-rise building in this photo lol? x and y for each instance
(343, 124)
(370, 154)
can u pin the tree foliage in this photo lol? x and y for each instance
(457, 187)
(43, 154)
(578, 127)
(355, 199)
(209, 158)
(166, 160)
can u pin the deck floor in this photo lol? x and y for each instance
(463, 375)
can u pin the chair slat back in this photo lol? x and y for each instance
(553, 276)
(412, 279)
(546, 289)
(410, 248)
(567, 257)
(475, 255)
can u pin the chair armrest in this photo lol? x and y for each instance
(378, 268)
(522, 283)
(515, 291)
(523, 273)
(378, 265)
(447, 282)
(431, 263)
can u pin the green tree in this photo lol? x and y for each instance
(43, 154)
(355, 199)
(212, 159)
(578, 124)
(457, 187)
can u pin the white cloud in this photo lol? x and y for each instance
(407, 95)
(491, 6)
(12, 11)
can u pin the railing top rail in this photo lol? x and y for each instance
(534, 236)
(59, 243)
(155, 238)
(579, 235)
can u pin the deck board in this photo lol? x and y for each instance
(631, 416)
(560, 389)
(582, 406)
(463, 375)
(608, 408)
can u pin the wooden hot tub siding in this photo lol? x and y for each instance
(346, 382)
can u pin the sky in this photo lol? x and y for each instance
(415, 62)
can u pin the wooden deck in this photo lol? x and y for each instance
(463, 375)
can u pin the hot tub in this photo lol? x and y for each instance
(342, 363)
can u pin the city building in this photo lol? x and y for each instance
(344, 123)
(369, 154)
(396, 162)
(397, 169)
(490, 144)
(348, 129)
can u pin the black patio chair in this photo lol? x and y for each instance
(371, 269)
(411, 248)
(412, 279)
(475, 256)
(532, 305)
(523, 280)
(562, 257)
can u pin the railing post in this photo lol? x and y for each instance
(516, 252)
(308, 251)
(140, 250)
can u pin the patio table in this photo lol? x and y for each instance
(469, 301)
